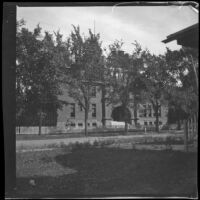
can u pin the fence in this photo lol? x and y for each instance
(190, 130)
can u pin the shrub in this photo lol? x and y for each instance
(169, 140)
(158, 140)
(95, 143)
(165, 127)
(62, 145)
(79, 146)
(67, 148)
(86, 145)
(168, 147)
(76, 146)
(133, 146)
(54, 145)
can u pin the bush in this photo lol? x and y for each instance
(96, 143)
(150, 128)
(165, 127)
(80, 146)
(62, 145)
(169, 140)
(54, 145)
(133, 146)
(106, 143)
(168, 147)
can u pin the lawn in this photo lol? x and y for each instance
(106, 171)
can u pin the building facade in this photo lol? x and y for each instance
(71, 116)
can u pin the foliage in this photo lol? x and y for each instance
(85, 68)
(37, 78)
(124, 76)
(158, 81)
(45, 63)
(184, 95)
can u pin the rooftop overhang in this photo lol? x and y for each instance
(187, 37)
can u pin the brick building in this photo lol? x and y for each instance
(71, 116)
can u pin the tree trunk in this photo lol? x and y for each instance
(193, 128)
(195, 125)
(125, 119)
(178, 124)
(186, 135)
(189, 129)
(135, 117)
(86, 121)
(157, 117)
(40, 123)
(197, 121)
(157, 124)
(103, 106)
(135, 112)
(126, 127)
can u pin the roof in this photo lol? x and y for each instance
(187, 37)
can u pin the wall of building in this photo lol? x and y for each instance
(64, 114)
(148, 120)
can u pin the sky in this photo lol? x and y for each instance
(148, 25)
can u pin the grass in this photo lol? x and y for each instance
(102, 171)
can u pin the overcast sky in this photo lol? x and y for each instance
(149, 25)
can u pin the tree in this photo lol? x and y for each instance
(157, 80)
(124, 77)
(37, 78)
(85, 68)
(138, 81)
(176, 114)
(185, 92)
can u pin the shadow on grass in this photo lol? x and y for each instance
(119, 172)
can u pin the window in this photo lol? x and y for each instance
(88, 124)
(94, 124)
(80, 107)
(150, 123)
(145, 123)
(72, 114)
(93, 91)
(80, 124)
(93, 110)
(73, 124)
